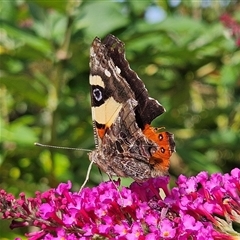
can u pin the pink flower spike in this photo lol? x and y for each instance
(201, 207)
(17, 224)
(36, 235)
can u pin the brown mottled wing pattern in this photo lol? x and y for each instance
(147, 108)
(125, 151)
(122, 112)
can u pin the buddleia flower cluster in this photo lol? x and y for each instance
(200, 207)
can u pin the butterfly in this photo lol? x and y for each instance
(122, 111)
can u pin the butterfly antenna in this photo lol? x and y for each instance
(57, 147)
(87, 176)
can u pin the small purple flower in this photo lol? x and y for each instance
(46, 210)
(167, 229)
(121, 229)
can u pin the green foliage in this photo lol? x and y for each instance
(188, 62)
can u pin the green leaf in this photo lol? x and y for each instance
(56, 5)
(26, 87)
(25, 37)
(18, 133)
(102, 17)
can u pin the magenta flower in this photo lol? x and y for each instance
(201, 207)
(167, 230)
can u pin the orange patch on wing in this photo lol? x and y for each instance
(101, 132)
(160, 158)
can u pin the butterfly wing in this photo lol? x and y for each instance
(147, 108)
(126, 144)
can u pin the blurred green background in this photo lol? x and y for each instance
(187, 59)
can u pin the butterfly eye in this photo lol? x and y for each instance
(97, 94)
